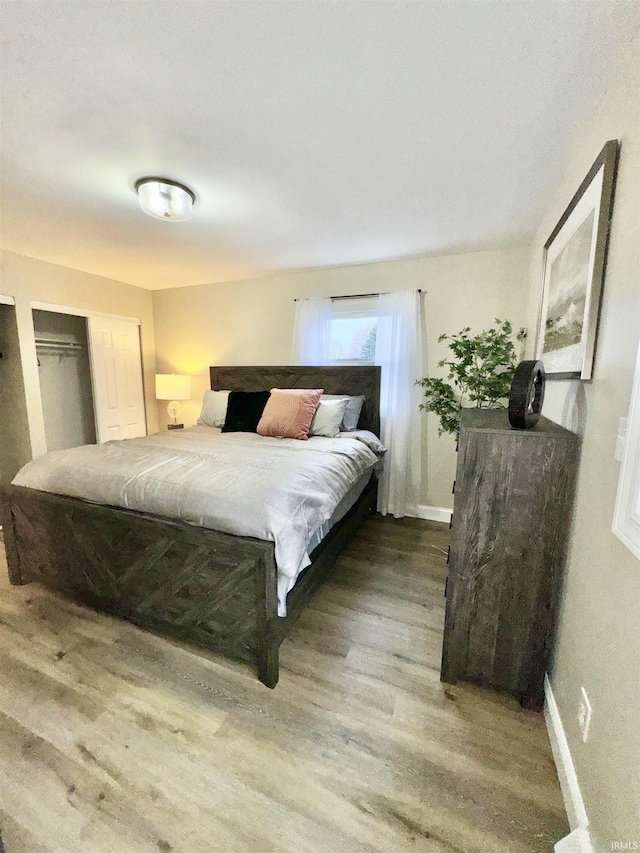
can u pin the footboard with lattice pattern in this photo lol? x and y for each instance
(212, 589)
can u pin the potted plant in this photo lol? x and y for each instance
(479, 373)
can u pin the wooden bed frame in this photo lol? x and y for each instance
(211, 589)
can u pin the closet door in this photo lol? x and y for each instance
(116, 367)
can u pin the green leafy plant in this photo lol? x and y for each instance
(479, 373)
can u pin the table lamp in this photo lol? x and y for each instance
(173, 387)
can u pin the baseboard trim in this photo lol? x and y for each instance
(433, 513)
(578, 841)
(573, 802)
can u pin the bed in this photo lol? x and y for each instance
(209, 588)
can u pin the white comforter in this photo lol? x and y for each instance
(280, 490)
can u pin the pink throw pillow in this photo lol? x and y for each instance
(289, 412)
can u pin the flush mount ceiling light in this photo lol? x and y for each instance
(165, 199)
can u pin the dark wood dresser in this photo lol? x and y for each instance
(512, 511)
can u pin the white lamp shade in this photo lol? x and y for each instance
(173, 386)
(164, 199)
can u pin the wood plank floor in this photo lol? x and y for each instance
(114, 740)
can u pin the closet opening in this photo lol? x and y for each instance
(15, 444)
(64, 369)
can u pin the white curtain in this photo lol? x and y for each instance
(312, 331)
(399, 353)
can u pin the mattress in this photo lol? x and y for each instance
(278, 490)
(285, 584)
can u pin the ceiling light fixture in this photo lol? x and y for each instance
(165, 199)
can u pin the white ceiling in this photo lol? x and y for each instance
(313, 133)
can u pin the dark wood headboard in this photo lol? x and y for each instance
(334, 380)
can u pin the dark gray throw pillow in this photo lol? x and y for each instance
(244, 410)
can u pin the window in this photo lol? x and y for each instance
(354, 326)
(626, 519)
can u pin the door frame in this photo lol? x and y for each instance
(79, 312)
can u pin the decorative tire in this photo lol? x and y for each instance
(527, 394)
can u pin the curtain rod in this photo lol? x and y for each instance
(354, 296)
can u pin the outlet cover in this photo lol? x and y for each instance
(620, 438)
(584, 714)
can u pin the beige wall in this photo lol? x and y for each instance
(598, 644)
(251, 322)
(29, 280)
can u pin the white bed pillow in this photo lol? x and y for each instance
(328, 417)
(352, 412)
(214, 408)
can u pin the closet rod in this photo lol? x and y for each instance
(72, 345)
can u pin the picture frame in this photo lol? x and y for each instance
(574, 262)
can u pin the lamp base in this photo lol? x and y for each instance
(175, 426)
(173, 410)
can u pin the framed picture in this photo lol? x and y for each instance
(574, 264)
